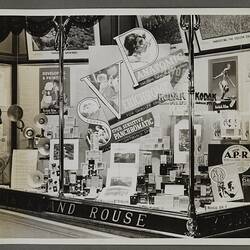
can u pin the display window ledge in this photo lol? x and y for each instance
(128, 220)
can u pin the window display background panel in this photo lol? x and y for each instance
(5, 127)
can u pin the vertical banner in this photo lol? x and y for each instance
(49, 90)
(106, 85)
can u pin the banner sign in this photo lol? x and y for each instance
(132, 129)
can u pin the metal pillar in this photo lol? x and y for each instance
(61, 103)
(190, 24)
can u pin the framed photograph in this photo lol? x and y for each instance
(43, 48)
(124, 155)
(165, 29)
(223, 81)
(220, 31)
(122, 177)
(181, 140)
(71, 153)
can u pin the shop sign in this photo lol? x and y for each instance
(118, 216)
(63, 208)
(104, 214)
(225, 222)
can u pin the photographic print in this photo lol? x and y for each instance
(181, 140)
(219, 31)
(184, 140)
(43, 48)
(223, 81)
(122, 176)
(71, 153)
(121, 181)
(68, 151)
(124, 154)
(106, 84)
(124, 158)
(165, 29)
(49, 90)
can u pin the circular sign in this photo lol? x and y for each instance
(217, 174)
(237, 154)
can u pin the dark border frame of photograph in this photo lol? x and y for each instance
(221, 42)
(224, 60)
(54, 55)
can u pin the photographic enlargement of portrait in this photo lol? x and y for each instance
(140, 48)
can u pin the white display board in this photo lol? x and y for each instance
(24, 164)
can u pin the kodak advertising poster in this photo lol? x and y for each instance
(225, 183)
(49, 89)
(170, 89)
(142, 56)
(163, 81)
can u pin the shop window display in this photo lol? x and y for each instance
(153, 130)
